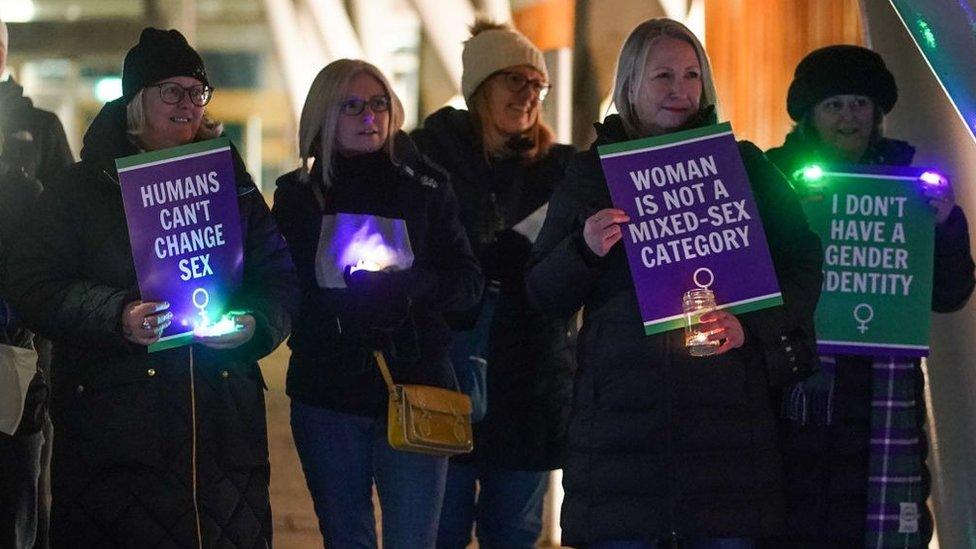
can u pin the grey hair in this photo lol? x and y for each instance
(632, 61)
(320, 115)
(136, 122)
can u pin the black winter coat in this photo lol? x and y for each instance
(123, 457)
(827, 466)
(530, 358)
(34, 149)
(33, 138)
(665, 445)
(331, 366)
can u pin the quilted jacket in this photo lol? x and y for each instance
(153, 450)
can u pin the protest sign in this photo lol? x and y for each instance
(877, 231)
(693, 223)
(185, 232)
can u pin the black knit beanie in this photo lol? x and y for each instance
(158, 55)
(840, 70)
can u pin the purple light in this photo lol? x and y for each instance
(933, 179)
(367, 250)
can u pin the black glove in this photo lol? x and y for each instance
(505, 259)
(379, 305)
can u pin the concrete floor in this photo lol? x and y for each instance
(295, 525)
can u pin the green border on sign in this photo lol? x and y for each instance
(135, 160)
(172, 341)
(661, 140)
(747, 307)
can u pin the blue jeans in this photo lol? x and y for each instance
(342, 455)
(507, 509)
(20, 467)
(693, 543)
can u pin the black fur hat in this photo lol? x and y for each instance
(840, 70)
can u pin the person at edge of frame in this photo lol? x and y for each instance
(34, 147)
(838, 98)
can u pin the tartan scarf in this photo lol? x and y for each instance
(895, 501)
(894, 483)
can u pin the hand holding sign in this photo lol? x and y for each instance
(602, 230)
(143, 322)
(938, 189)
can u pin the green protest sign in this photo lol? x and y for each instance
(878, 237)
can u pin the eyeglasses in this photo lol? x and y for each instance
(172, 93)
(355, 107)
(516, 82)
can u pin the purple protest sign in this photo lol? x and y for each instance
(694, 223)
(185, 232)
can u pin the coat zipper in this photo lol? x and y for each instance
(193, 451)
(670, 406)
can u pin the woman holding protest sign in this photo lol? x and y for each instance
(381, 256)
(504, 165)
(163, 448)
(665, 446)
(838, 98)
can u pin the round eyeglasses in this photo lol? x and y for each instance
(172, 93)
(516, 82)
(355, 107)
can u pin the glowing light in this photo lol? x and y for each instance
(364, 265)
(810, 173)
(933, 179)
(367, 250)
(927, 33)
(108, 88)
(18, 11)
(225, 325)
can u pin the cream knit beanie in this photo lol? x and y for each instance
(494, 47)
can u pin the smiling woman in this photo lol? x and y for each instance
(184, 425)
(504, 167)
(643, 409)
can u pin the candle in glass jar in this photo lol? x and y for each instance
(696, 303)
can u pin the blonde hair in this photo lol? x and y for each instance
(633, 59)
(493, 142)
(137, 123)
(320, 115)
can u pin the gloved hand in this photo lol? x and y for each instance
(379, 304)
(505, 259)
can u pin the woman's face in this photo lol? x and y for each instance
(169, 125)
(845, 122)
(514, 111)
(671, 89)
(365, 131)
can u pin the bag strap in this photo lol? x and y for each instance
(385, 370)
(319, 197)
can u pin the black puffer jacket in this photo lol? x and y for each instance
(530, 357)
(330, 366)
(827, 466)
(662, 444)
(122, 469)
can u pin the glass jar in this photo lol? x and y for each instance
(695, 303)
